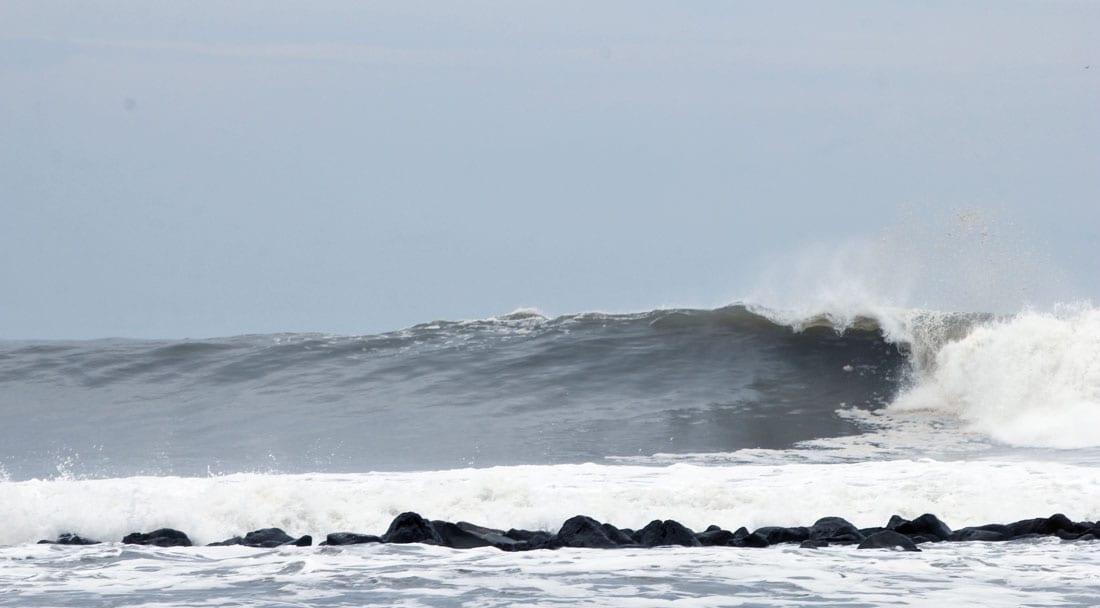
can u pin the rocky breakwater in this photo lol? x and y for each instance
(583, 531)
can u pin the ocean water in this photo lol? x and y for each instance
(739, 416)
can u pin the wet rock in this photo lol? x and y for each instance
(750, 540)
(888, 539)
(67, 538)
(583, 531)
(714, 537)
(410, 527)
(668, 532)
(623, 538)
(835, 530)
(265, 539)
(531, 539)
(928, 526)
(350, 538)
(302, 541)
(813, 544)
(164, 537)
(776, 534)
(464, 535)
(1046, 526)
(986, 533)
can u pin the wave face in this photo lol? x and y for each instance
(512, 390)
(527, 389)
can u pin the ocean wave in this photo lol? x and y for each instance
(1032, 379)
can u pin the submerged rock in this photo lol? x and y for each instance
(775, 534)
(164, 537)
(987, 533)
(265, 538)
(888, 539)
(68, 538)
(350, 538)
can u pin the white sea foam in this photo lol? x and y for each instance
(1029, 380)
(541, 497)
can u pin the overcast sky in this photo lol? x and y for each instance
(191, 169)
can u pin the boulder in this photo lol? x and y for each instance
(986, 533)
(465, 535)
(1046, 526)
(714, 537)
(583, 531)
(776, 534)
(623, 538)
(265, 538)
(350, 538)
(888, 539)
(164, 537)
(67, 538)
(835, 530)
(529, 540)
(668, 532)
(410, 527)
(928, 526)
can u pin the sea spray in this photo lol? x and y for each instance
(1032, 379)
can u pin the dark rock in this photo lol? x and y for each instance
(714, 537)
(927, 525)
(531, 540)
(669, 532)
(619, 537)
(266, 538)
(1045, 526)
(350, 538)
(457, 538)
(583, 531)
(465, 535)
(888, 539)
(411, 528)
(987, 533)
(752, 540)
(813, 544)
(69, 539)
(164, 537)
(835, 530)
(494, 537)
(869, 531)
(776, 534)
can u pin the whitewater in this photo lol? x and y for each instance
(742, 415)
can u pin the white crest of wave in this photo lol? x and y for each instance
(1030, 380)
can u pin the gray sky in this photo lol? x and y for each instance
(174, 169)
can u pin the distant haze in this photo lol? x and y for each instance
(173, 169)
